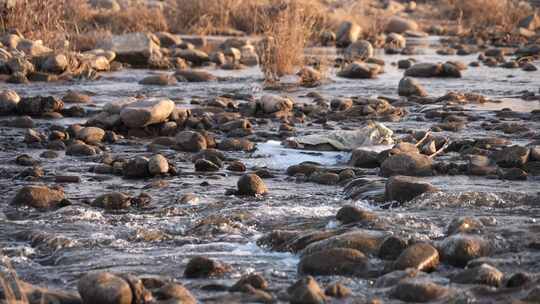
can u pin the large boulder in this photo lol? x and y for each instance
(105, 288)
(360, 70)
(8, 101)
(410, 164)
(146, 112)
(404, 188)
(411, 87)
(359, 50)
(136, 49)
(347, 33)
(39, 197)
(400, 25)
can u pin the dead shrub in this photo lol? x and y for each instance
(479, 15)
(52, 21)
(286, 27)
(89, 40)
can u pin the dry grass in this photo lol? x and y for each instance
(479, 15)
(134, 19)
(286, 28)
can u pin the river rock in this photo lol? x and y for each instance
(348, 32)
(55, 63)
(411, 87)
(37, 106)
(395, 40)
(158, 165)
(359, 70)
(365, 241)
(187, 75)
(137, 168)
(465, 224)
(190, 141)
(334, 261)
(272, 103)
(418, 290)
(404, 188)
(136, 49)
(104, 288)
(324, 178)
(168, 40)
(411, 164)
(459, 249)
(400, 25)
(483, 274)
(146, 112)
(159, 80)
(364, 159)
(424, 70)
(112, 201)
(81, 149)
(172, 291)
(531, 22)
(197, 57)
(350, 214)
(306, 291)
(420, 256)
(39, 197)
(254, 280)
(236, 144)
(515, 156)
(392, 247)
(75, 97)
(359, 50)
(337, 290)
(91, 135)
(8, 101)
(251, 184)
(201, 267)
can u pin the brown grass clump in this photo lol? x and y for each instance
(286, 27)
(133, 19)
(480, 15)
(49, 20)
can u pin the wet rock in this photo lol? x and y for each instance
(32, 136)
(158, 165)
(67, 179)
(81, 149)
(174, 291)
(201, 267)
(203, 165)
(8, 101)
(515, 156)
(324, 178)
(464, 224)
(337, 290)
(26, 160)
(400, 25)
(396, 40)
(187, 75)
(424, 70)
(365, 241)
(197, 57)
(306, 291)
(529, 67)
(105, 288)
(518, 279)
(237, 166)
(348, 32)
(359, 70)
(359, 50)
(459, 249)
(404, 188)
(91, 135)
(411, 164)
(136, 49)
(21, 122)
(159, 80)
(272, 103)
(535, 153)
(410, 87)
(39, 197)
(146, 112)
(417, 290)
(534, 295)
(254, 280)
(236, 144)
(481, 165)
(392, 247)
(55, 63)
(334, 261)
(190, 141)
(483, 274)
(37, 106)
(251, 184)
(420, 256)
(513, 174)
(364, 159)
(350, 214)
(112, 201)
(137, 168)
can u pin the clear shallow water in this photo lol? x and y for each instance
(159, 240)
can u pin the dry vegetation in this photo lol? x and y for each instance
(479, 15)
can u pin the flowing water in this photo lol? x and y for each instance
(55, 248)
